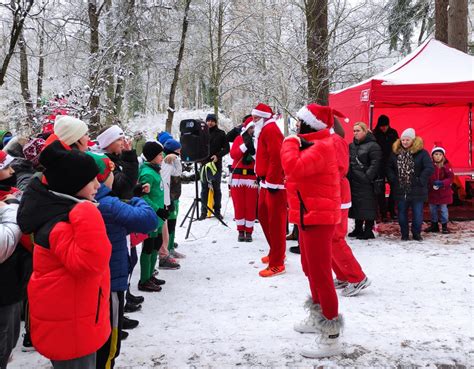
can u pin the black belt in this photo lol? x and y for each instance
(244, 172)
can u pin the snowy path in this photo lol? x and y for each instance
(216, 312)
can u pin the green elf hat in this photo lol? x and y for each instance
(106, 166)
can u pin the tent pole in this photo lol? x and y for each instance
(470, 134)
(371, 115)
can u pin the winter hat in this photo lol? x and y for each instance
(211, 117)
(5, 160)
(248, 123)
(110, 135)
(263, 111)
(409, 132)
(151, 150)
(383, 121)
(171, 146)
(105, 165)
(7, 139)
(67, 171)
(438, 149)
(69, 129)
(32, 150)
(319, 117)
(162, 137)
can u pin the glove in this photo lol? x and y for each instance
(305, 144)
(163, 213)
(438, 184)
(247, 159)
(171, 207)
(138, 190)
(273, 190)
(248, 141)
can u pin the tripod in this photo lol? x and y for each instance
(194, 208)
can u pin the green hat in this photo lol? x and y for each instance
(106, 166)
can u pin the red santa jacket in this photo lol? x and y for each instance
(312, 180)
(268, 161)
(342, 153)
(243, 174)
(69, 289)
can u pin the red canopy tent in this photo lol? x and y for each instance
(431, 90)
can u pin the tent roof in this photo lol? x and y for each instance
(433, 62)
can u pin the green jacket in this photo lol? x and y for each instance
(156, 197)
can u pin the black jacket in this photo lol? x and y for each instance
(24, 171)
(386, 141)
(218, 145)
(125, 173)
(364, 168)
(234, 133)
(423, 170)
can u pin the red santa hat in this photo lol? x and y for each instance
(248, 123)
(438, 148)
(319, 117)
(263, 111)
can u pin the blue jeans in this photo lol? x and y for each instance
(443, 210)
(417, 212)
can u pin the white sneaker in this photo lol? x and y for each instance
(354, 289)
(340, 284)
(310, 324)
(327, 341)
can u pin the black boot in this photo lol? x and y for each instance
(295, 249)
(131, 308)
(248, 237)
(128, 323)
(136, 300)
(358, 228)
(445, 229)
(367, 234)
(241, 237)
(293, 236)
(434, 227)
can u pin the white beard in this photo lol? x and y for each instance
(258, 129)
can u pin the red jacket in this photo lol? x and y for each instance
(312, 180)
(268, 161)
(342, 153)
(69, 289)
(243, 174)
(443, 195)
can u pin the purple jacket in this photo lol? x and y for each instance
(444, 195)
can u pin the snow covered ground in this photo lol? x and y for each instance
(216, 312)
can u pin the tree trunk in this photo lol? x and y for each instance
(39, 79)
(24, 83)
(441, 20)
(457, 24)
(19, 16)
(109, 71)
(94, 100)
(317, 48)
(174, 83)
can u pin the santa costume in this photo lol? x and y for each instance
(243, 183)
(272, 205)
(314, 197)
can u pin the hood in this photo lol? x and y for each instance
(102, 192)
(369, 138)
(416, 147)
(21, 165)
(39, 206)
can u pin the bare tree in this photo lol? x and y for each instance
(174, 83)
(94, 100)
(441, 20)
(24, 83)
(457, 24)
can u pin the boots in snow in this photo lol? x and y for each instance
(241, 237)
(310, 323)
(134, 299)
(327, 340)
(293, 236)
(434, 227)
(358, 228)
(445, 229)
(295, 249)
(248, 237)
(353, 289)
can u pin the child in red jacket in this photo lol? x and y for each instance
(70, 285)
(440, 193)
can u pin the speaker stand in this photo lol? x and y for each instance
(195, 206)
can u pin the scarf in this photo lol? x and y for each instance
(406, 169)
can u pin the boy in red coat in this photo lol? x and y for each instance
(272, 196)
(440, 193)
(70, 285)
(243, 185)
(314, 196)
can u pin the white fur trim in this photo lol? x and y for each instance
(438, 148)
(8, 160)
(240, 222)
(109, 136)
(260, 113)
(265, 184)
(308, 117)
(243, 148)
(249, 223)
(244, 129)
(347, 205)
(243, 182)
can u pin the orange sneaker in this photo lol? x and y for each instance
(266, 259)
(273, 271)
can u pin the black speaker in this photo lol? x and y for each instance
(194, 140)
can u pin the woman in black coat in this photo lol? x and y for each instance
(408, 172)
(364, 168)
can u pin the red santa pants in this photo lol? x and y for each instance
(345, 265)
(245, 206)
(272, 216)
(316, 259)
